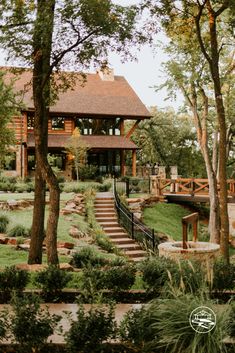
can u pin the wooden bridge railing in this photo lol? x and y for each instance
(189, 186)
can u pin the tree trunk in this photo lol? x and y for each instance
(42, 42)
(37, 230)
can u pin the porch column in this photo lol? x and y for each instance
(122, 127)
(133, 163)
(122, 162)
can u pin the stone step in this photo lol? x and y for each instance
(118, 235)
(129, 247)
(104, 219)
(104, 205)
(101, 202)
(107, 224)
(104, 198)
(104, 209)
(122, 241)
(135, 253)
(112, 230)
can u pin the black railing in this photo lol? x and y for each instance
(135, 228)
(128, 186)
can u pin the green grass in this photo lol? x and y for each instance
(64, 196)
(166, 218)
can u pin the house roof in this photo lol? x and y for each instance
(94, 142)
(94, 97)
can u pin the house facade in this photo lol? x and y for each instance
(99, 107)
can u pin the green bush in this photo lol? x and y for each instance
(119, 278)
(103, 241)
(18, 231)
(52, 280)
(135, 329)
(174, 333)
(91, 329)
(87, 256)
(30, 325)
(160, 272)
(223, 276)
(4, 221)
(12, 279)
(232, 321)
(87, 172)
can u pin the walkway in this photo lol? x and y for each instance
(106, 216)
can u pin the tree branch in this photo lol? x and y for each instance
(199, 35)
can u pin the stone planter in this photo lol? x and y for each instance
(199, 251)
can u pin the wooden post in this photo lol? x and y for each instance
(133, 163)
(122, 162)
(190, 219)
(122, 127)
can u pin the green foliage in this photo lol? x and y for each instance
(91, 329)
(87, 256)
(135, 329)
(13, 279)
(30, 325)
(18, 231)
(169, 139)
(223, 276)
(52, 280)
(231, 326)
(160, 274)
(103, 241)
(174, 334)
(119, 278)
(87, 172)
(4, 221)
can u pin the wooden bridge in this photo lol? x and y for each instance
(187, 189)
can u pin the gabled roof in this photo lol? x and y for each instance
(92, 141)
(94, 97)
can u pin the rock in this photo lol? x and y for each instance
(65, 245)
(133, 200)
(63, 251)
(3, 239)
(138, 215)
(66, 212)
(35, 267)
(75, 232)
(12, 241)
(66, 267)
(23, 247)
(70, 205)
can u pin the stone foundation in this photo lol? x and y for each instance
(198, 251)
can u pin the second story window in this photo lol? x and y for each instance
(58, 123)
(30, 122)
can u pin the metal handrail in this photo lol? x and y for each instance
(134, 223)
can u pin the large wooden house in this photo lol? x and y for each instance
(99, 108)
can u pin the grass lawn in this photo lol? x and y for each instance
(166, 218)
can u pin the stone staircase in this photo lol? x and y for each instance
(106, 216)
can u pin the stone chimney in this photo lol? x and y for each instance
(105, 73)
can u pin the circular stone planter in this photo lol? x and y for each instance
(200, 251)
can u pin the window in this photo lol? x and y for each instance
(30, 122)
(58, 123)
(10, 162)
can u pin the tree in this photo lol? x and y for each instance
(8, 108)
(169, 139)
(203, 17)
(78, 149)
(48, 35)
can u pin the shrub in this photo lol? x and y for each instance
(160, 272)
(103, 241)
(223, 276)
(31, 326)
(87, 172)
(232, 321)
(91, 329)
(173, 331)
(91, 283)
(52, 280)
(4, 221)
(87, 256)
(119, 278)
(135, 329)
(19, 231)
(12, 279)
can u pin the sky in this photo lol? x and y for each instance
(142, 74)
